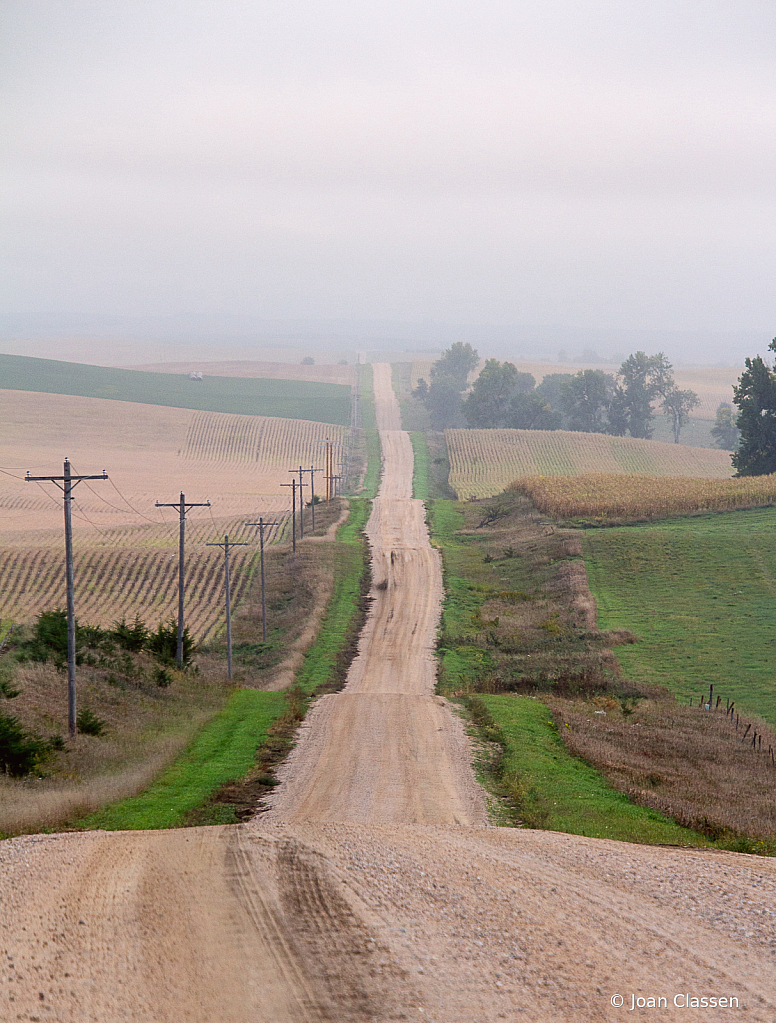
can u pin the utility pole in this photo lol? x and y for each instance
(301, 503)
(226, 545)
(293, 484)
(312, 472)
(66, 482)
(182, 507)
(262, 526)
(329, 461)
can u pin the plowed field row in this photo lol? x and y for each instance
(220, 437)
(485, 462)
(129, 571)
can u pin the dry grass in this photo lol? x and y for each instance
(684, 762)
(146, 727)
(609, 497)
(486, 462)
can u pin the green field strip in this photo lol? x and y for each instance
(285, 399)
(223, 751)
(556, 791)
(700, 595)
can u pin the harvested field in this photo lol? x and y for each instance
(486, 462)
(126, 548)
(606, 496)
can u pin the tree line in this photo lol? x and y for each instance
(589, 401)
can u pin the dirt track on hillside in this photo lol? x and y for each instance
(374, 890)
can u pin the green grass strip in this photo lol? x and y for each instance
(223, 751)
(420, 471)
(556, 791)
(351, 561)
(466, 578)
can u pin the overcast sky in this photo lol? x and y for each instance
(173, 165)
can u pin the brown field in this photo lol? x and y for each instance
(682, 761)
(125, 549)
(486, 462)
(328, 374)
(712, 384)
(611, 496)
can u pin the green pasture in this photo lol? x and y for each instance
(700, 595)
(286, 399)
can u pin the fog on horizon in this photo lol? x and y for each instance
(392, 175)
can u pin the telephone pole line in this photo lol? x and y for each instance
(226, 545)
(66, 483)
(182, 507)
(262, 526)
(293, 484)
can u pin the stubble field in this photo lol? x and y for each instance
(126, 549)
(486, 462)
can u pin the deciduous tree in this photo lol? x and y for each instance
(755, 396)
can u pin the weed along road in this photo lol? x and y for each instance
(374, 888)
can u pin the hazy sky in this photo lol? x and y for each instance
(180, 163)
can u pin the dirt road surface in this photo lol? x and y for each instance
(374, 889)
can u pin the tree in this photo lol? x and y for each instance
(308, 360)
(725, 432)
(641, 380)
(488, 403)
(443, 401)
(755, 396)
(677, 405)
(456, 362)
(585, 400)
(532, 412)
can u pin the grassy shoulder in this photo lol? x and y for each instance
(553, 790)
(223, 751)
(698, 593)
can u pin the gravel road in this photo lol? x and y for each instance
(374, 889)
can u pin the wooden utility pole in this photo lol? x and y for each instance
(182, 507)
(66, 483)
(312, 472)
(226, 545)
(293, 484)
(262, 526)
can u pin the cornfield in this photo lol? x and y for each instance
(486, 462)
(606, 496)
